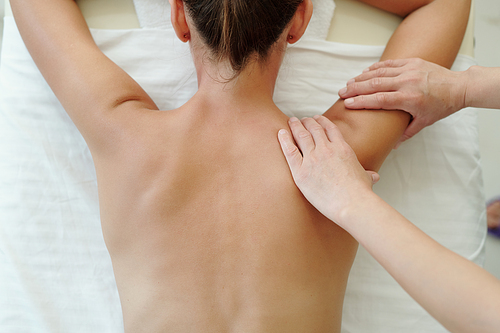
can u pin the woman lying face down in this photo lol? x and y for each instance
(204, 225)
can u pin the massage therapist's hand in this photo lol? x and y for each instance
(427, 91)
(324, 166)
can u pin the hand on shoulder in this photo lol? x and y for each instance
(324, 166)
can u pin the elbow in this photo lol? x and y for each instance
(405, 8)
(408, 7)
(412, 6)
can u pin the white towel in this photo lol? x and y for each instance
(55, 273)
(153, 13)
(156, 14)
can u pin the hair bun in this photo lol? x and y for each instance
(237, 30)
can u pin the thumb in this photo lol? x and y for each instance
(290, 150)
(375, 177)
(415, 126)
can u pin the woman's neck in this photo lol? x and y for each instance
(254, 86)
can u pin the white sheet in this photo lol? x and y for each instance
(55, 273)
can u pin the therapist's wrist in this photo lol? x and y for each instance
(469, 80)
(457, 83)
(357, 212)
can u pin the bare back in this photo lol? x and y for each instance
(204, 225)
(208, 233)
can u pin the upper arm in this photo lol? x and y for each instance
(90, 86)
(398, 7)
(433, 32)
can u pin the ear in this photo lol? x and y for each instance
(179, 21)
(300, 21)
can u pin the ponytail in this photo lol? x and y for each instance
(240, 30)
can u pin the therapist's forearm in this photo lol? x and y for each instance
(458, 293)
(482, 87)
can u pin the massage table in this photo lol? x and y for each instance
(55, 272)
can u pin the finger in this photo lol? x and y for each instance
(394, 63)
(380, 72)
(317, 131)
(396, 146)
(415, 126)
(375, 177)
(389, 68)
(332, 131)
(377, 84)
(382, 100)
(290, 150)
(302, 136)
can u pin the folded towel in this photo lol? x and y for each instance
(156, 14)
(153, 13)
(321, 19)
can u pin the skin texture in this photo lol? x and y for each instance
(459, 294)
(425, 90)
(203, 235)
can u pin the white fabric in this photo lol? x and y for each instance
(156, 14)
(321, 19)
(153, 13)
(55, 273)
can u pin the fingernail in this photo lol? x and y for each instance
(366, 70)
(316, 117)
(293, 119)
(282, 132)
(343, 91)
(397, 145)
(349, 101)
(351, 81)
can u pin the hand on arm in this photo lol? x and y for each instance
(425, 90)
(432, 30)
(89, 85)
(457, 292)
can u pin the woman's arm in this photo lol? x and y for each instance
(433, 31)
(458, 293)
(90, 87)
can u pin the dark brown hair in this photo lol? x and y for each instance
(237, 30)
